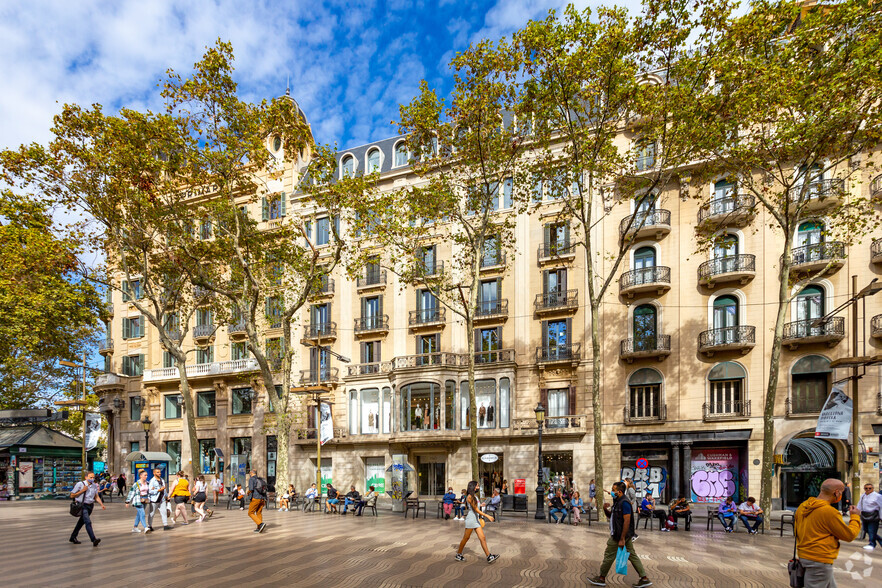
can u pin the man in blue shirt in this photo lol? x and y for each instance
(727, 513)
(86, 493)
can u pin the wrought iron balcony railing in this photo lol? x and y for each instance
(557, 300)
(650, 218)
(372, 323)
(567, 352)
(741, 263)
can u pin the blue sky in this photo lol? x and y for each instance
(350, 64)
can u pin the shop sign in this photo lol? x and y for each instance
(22, 449)
(520, 486)
(650, 480)
(26, 474)
(834, 422)
(489, 458)
(714, 475)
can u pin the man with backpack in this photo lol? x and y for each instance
(257, 490)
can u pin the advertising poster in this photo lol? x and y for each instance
(93, 430)
(834, 422)
(375, 474)
(25, 474)
(714, 475)
(326, 474)
(327, 424)
(520, 486)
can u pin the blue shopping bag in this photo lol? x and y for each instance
(622, 556)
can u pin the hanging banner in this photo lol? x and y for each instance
(834, 421)
(326, 429)
(93, 430)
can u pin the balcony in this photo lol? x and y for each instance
(325, 289)
(818, 195)
(648, 279)
(320, 331)
(570, 353)
(370, 280)
(319, 376)
(369, 369)
(491, 310)
(741, 338)
(104, 382)
(370, 325)
(732, 268)
(202, 370)
(813, 258)
(556, 251)
(650, 223)
(105, 346)
(426, 359)
(569, 424)
(876, 251)
(725, 411)
(308, 436)
(427, 270)
(492, 356)
(203, 334)
(730, 211)
(658, 346)
(802, 407)
(644, 415)
(556, 302)
(237, 331)
(427, 318)
(492, 262)
(876, 188)
(803, 333)
(876, 327)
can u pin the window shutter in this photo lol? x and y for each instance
(477, 335)
(543, 398)
(547, 239)
(264, 208)
(380, 306)
(126, 329)
(282, 197)
(141, 326)
(562, 280)
(545, 281)
(566, 229)
(569, 331)
(499, 289)
(307, 228)
(571, 401)
(377, 350)
(544, 334)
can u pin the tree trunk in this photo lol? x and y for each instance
(768, 466)
(190, 420)
(470, 345)
(596, 407)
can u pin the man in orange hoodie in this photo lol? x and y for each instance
(819, 529)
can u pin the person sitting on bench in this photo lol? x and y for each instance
(352, 497)
(309, 498)
(749, 512)
(369, 499)
(647, 509)
(680, 510)
(726, 514)
(557, 507)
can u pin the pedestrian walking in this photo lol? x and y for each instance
(121, 484)
(592, 494)
(137, 498)
(870, 508)
(621, 530)
(257, 491)
(217, 488)
(631, 495)
(156, 494)
(819, 529)
(199, 498)
(472, 523)
(87, 492)
(180, 495)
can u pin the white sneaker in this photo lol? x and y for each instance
(869, 547)
(136, 530)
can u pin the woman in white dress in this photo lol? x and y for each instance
(473, 524)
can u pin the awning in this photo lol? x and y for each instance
(149, 456)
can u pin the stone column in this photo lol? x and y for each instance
(686, 490)
(675, 469)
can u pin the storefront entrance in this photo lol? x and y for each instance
(431, 472)
(557, 470)
(809, 461)
(491, 474)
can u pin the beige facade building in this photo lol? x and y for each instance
(686, 341)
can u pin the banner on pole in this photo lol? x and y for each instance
(834, 421)
(93, 430)
(326, 428)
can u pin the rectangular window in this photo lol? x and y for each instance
(370, 411)
(557, 238)
(131, 290)
(272, 450)
(809, 392)
(168, 360)
(558, 405)
(725, 396)
(556, 337)
(133, 328)
(387, 409)
(242, 446)
(135, 446)
(205, 230)
(133, 365)
(173, 404)
(272, 400)
(507, 201)
(370, 354)
(372, 271)
(274, 312)
(205, 354)
(205, 404)
(428, 260)
(537, 188)
(207, 456)
(238, 351)
(242, 400)
(323, 231)
(645, 156)
(485, 400)
(645, 402)
(307, 230)
(203, 317)
(487, 343)
(173, 448)
(135, 408)
(449, 408)
(428, 347)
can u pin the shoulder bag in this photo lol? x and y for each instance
(794, 566)
(76, 507)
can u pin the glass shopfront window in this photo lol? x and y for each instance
(370, 411)
(387, 409)
(207, 456)
(449, 409)
(421, 407)
(242, 446)
(272, 447)
(504, 402)
(173, 448)
(242, 399)
(353, 412)
(490, 414)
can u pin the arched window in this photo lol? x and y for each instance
(724, 190)
(725, 312)
(644, 258)
(645, 323)
(726, 381)
(373, 161)
(810, 304)
(348, 166)
(277, 143)
(810, 384)
(726, 246)
(644, 395)
(809, 233)
(401, 154)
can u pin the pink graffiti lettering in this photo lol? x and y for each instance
(713, 484)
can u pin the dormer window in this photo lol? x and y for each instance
(401, 154)
(373, 161)
(348, 166)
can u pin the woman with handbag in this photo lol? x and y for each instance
(199, 499)
(870, 507)
(137, 498)
(181, 495)
(473, 523)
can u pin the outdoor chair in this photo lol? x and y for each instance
(787, 518)
(415, 505)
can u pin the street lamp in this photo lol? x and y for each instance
(540, 490)
(854, 362)
(146, 422)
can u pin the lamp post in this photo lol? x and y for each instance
(854, 362)
(540, 490)
(146, 422)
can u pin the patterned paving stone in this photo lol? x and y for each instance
(387, 551)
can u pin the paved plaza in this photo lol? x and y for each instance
(324, 550)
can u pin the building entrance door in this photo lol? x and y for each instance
(432, 476)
